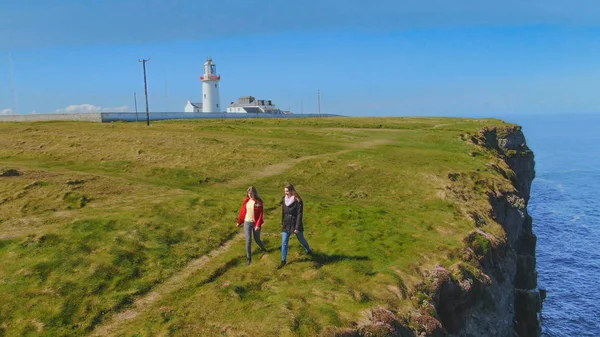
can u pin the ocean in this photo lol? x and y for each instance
(566, 219)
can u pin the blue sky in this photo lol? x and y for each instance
(386, 58)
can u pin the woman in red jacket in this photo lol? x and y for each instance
(251, 216)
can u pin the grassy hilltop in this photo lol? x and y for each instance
(124, 229)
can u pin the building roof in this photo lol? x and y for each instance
(196, 105)
(252, 109)
(251, 101)
(273, 111)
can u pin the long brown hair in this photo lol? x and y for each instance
(293, 192)
(252, 190)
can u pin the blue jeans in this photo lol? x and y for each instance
(285, 239)
(250, 232)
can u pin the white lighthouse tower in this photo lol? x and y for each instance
(210, 88)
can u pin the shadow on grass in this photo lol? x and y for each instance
(220, 271)
(320, 259)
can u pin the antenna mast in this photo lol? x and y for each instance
(135, 103)
(166, 94)
(319, 99)
(13, 90)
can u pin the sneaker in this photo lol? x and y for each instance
(309, 252)
(282, 264)
(248, 263)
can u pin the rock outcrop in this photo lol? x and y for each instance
(494, 292)
(511, 212)
(509, 303)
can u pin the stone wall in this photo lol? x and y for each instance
(85, 117)
(106, 117)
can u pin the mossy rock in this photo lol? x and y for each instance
(10, 173)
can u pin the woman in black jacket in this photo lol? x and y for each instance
(292, 211)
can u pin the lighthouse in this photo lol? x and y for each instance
(210, 88)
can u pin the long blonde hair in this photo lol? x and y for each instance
(255, 195)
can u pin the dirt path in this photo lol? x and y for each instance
(276, 169)
(364, 129)
(175, 282)
(178, 280)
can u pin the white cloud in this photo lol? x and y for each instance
(79, 108)
(123, 108)
(89, 108)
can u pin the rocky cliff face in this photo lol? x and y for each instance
(508, 303)
(511, 211)
(494, 292)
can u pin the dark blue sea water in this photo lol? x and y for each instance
(566, 219)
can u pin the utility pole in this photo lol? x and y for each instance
(319, 99)
(146, 90)
(135, 103)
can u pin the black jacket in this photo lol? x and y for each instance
(291, 216)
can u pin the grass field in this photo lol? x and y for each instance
(123, 229)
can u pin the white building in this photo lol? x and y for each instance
(210, 91)
(193, 107)
(249, 104)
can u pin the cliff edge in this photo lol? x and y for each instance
(512, 264)
(493, 291)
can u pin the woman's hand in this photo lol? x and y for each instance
(238, 225)
(256, 228)
(295, 232)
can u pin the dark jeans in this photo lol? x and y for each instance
(249, 231)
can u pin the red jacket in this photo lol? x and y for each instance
(258, 212)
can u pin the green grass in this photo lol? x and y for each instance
(104, 214)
